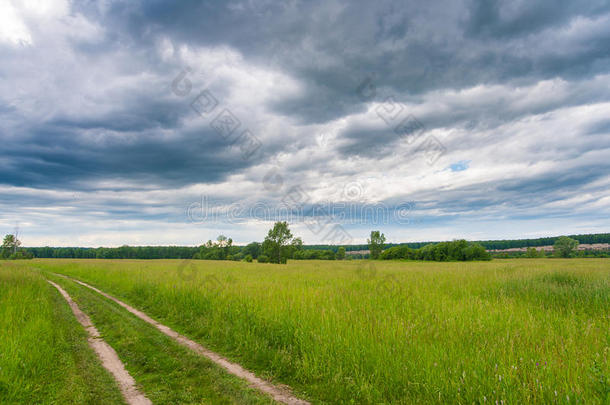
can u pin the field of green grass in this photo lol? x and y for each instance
(167, 372)
(44, 355)
(386, 332)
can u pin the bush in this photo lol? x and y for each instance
(476, 252)
(532, 252)
(19, 255)
(397, 252)
(314, 254)
(263, 259)
(248, 258)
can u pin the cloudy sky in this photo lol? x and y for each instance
(159, 122)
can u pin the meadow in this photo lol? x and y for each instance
(527, 330)
(44, 356)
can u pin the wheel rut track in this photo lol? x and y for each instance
(280, 394)
(109, 358)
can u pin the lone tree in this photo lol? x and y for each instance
(564, 246)
(376, 244)
(340, 253)
(10, 245)
(223, 241)
(279, 245)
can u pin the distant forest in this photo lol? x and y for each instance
(487, 244)
(186, 252)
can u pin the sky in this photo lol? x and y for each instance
(168, 123)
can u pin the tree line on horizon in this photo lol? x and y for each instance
(293, 248)
(487, 244)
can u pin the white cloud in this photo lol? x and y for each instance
(12, 27)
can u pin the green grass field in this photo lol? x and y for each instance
(167, 372)
(387, 332)
(44, 355)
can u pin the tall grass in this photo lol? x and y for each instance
(391, 332)
(167, 372)
(44, 355)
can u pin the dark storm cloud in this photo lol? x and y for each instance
(411, 48)
(135, 115)
(549, 183)
(63, 156)
(475, 113)
(486, 17)
(90, 107)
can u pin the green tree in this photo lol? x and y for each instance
(224, 244)
(296, 245)
(280, 245)
(340, 253)
(532, 252)
(253, 249)
(376, 243)
(219, 250)
(475, 251)
(10, 245)
(564, 246)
